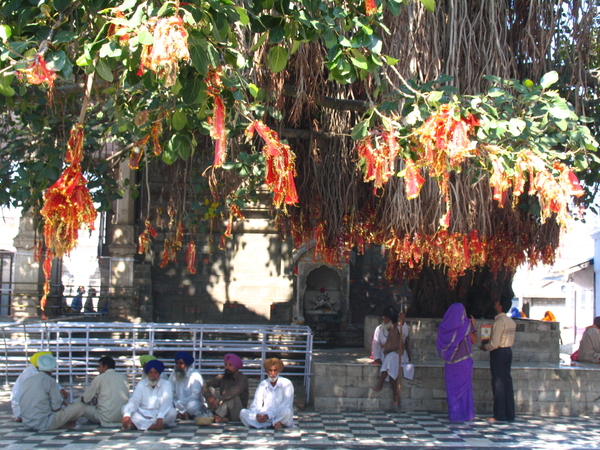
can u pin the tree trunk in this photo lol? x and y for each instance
(477, 290)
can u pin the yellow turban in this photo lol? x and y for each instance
(34, 358)
(145, 358)
(274, 362)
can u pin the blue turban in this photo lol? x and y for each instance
(187, 358)
(154, 364)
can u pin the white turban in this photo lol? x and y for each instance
(46, 363)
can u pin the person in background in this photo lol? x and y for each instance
(17, 390)
(88, 307)
(187, 384)
(106, 395)
(41, 400)
(456, 334)
(549, 317)
(499, 346)
(387, 348)
(77, 302)
(273, 403)
(145, 359)
(227, 393)
(589, 347)
(151, 405)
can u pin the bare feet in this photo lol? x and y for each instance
(219, 419)
(278, 425)
(18, 419)
(396, 399)
(185, 416)
(69, 426)
(377, 388)
(491, 420)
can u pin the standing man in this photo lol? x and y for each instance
(187, 384)
(387, 348)
(273, 403)
(499, 346)
(227, 393)
(41, 400)
(106, 395)
(151, 405)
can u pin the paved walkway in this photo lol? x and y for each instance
(322, 430)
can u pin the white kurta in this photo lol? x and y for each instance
(390, 361)
(187, 393)
(275, 401)
(147, 404)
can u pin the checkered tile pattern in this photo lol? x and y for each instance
(322, 430)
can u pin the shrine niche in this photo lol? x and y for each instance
(322, 292)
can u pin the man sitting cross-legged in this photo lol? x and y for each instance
(41, 400)
(187, 384)
(227, 393)
(151, 405)
(106, 395)
(273, 402)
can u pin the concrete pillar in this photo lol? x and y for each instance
(26, 294)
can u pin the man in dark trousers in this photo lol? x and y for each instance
(499, 346)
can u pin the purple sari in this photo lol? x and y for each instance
(454, 347)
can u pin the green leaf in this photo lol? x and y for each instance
(144, 37)
(5, 32)
(360, 130)
(435, 96)
(261, 40)
(391, 61)
(560, 110)
(194, 90)
(7, 91)
(358, 59)
(549, 79)
(277, 58)
(244, 20)
(61, 5)
(429, 5)
(104, 71)
(179, 120)
(253, 89)
(64, 37)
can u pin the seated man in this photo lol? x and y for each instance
(151, 405)
(589, 347)
(106, 395)
(273, 403)
(17, 389)
(41, 400)
(227, 393)
(187, 384)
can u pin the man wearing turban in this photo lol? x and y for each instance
(17, 389)
(388, 345)
(41, 400)
(227, 393)
(187, 384)
(151, 405)
(273, 403)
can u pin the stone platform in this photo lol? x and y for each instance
(344, 380)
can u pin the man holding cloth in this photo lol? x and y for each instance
(499, 346)
(151, 405)
(187, 384)
(273, 403)
(387, 348)
(106, 395)
(227, 393)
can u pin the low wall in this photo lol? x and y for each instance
(540, 389)
(535, 341)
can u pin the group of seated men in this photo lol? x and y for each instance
(157, 401)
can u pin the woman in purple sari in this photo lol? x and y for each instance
(456, 334)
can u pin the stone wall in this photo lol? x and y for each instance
(535, 341)
(539, 389)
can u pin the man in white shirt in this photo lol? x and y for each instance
(106, 395)
(187, 387)
(17, 390)
(273, 403)
(151, 405)
(41, 400)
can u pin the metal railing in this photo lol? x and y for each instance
(78, 346)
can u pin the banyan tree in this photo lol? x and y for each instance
(457, 135)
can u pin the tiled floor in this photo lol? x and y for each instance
(321, 430)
